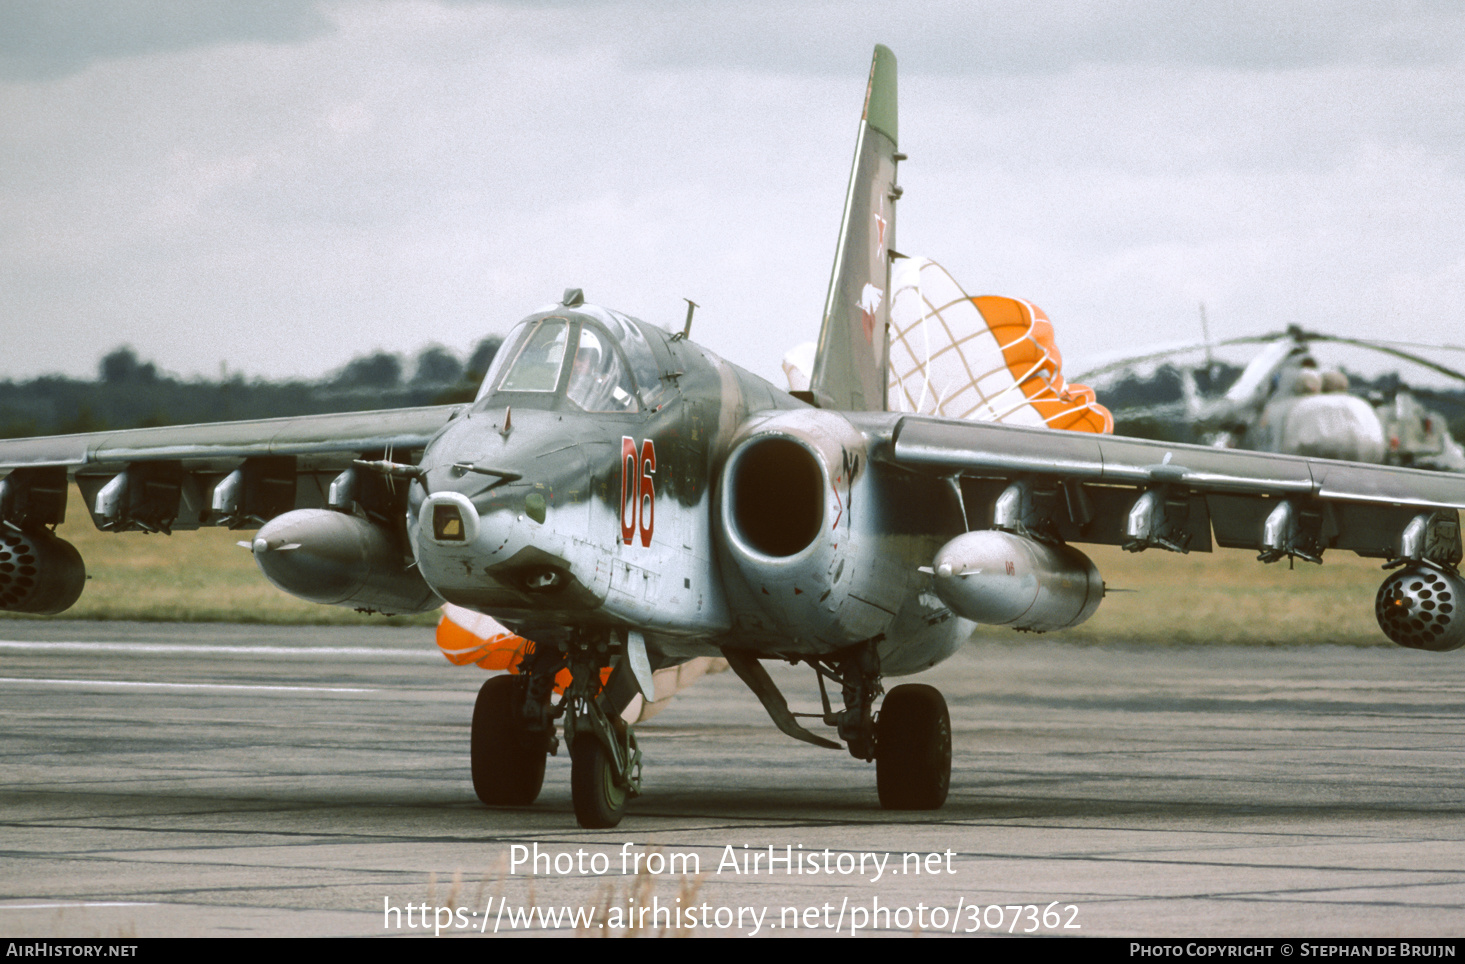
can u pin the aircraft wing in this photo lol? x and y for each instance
(281, 464)
(1083, 487)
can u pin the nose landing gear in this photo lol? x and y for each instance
(605, 763)
(514, 724)
(605, 772)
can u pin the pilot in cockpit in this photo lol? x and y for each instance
(599, 381)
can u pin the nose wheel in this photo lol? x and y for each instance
(597, 786)
(913, 749)
(605, 764)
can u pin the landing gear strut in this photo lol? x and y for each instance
(514, 723)
(857, 670)
(605, 764)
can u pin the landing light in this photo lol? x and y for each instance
(449, 518)
(447, 523)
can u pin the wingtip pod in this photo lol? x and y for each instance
(849, 371)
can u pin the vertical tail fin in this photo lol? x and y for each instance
(850, 370)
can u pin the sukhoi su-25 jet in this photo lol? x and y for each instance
(627, 501)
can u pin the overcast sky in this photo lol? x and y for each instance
(278, 186)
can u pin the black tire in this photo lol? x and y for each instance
(913, 749)
(599, 803)
(508, 766)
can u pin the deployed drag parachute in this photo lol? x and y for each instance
(986, 359)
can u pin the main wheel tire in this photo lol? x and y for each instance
(599, 803)
(913, 749)
(508, 765)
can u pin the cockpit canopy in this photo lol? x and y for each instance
(580, 359)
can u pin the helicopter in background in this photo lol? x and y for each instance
(1285, 401)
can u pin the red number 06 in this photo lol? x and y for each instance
(638, 495)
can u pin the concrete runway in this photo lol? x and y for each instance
(235, 780)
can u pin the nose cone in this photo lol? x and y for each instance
(500, 521)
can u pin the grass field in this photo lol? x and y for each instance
(1225, 596)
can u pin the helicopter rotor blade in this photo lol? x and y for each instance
(1388, 348)
(1118, 364)
(1397, 349)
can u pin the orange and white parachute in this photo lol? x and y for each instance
(988, 358)
(465, 636)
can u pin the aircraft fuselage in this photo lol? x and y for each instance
(712, 512)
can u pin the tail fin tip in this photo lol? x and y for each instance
(880, 99)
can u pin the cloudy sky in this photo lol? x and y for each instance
(278, 186)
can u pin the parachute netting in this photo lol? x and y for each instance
(988, 358)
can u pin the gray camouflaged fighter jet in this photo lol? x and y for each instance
(627, 500)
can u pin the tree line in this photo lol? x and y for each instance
(129, 392)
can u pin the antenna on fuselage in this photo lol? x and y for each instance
(687, 328)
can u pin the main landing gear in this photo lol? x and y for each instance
(514, 723)
(909, 738)
(508, 756)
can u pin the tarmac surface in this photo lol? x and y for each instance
(173, 780)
